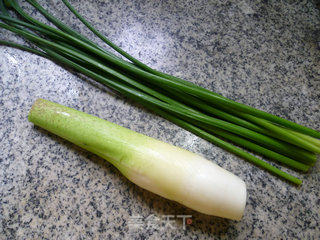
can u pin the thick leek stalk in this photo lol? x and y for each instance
(161, 168)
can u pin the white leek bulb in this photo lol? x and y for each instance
(161, 168)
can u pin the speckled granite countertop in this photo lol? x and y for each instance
(262, 53)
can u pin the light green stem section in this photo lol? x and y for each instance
(106, 139)
(312, 140)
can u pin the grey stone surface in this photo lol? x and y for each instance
(262, 53)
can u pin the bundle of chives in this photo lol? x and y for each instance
(198, 110)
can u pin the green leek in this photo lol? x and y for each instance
(161, 168)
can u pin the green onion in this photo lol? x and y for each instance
(265, 140)
(245, 108)
(206, 114)
(187, 126)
